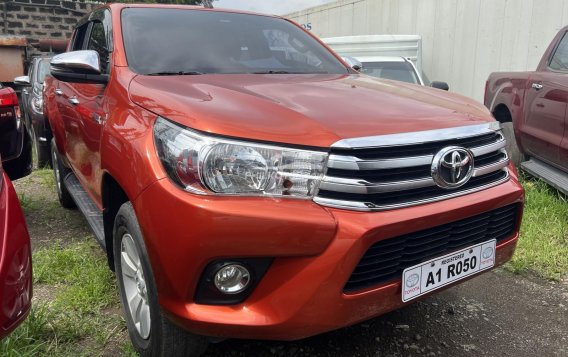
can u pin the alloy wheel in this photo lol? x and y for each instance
(135, 289)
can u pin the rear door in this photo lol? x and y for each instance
(545, 107)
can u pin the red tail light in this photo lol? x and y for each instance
(8, 98)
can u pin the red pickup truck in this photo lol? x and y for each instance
(246, 182)
(531, 107)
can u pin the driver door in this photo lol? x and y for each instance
(546, 101)
(87, 106)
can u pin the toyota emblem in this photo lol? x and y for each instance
(487, 253)
(452, 167)
(412, 280)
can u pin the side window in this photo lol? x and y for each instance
(559, 60)
(98, 42)
(79, 37)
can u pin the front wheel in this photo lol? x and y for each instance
(151, 333)
(515, 155)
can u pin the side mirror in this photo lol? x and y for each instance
(23, 81)
(440, 85)
(78, 67)
(353, 63)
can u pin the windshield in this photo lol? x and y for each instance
(42, 70)
(398, 71)
(172, 41)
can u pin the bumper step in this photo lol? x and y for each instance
(551, 175)
(86, 205)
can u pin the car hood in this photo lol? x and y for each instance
(311, 110)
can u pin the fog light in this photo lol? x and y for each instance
(232, 279)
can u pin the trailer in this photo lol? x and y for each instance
(16, 53)
(13, 55)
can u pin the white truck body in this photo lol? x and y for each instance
(366, 46)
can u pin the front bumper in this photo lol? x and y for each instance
(315, 250)
(15, 261)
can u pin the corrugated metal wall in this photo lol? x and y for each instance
(463, 40)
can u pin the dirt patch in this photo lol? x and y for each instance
(495, 314)
(47, 221)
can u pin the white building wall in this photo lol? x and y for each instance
(462, 40)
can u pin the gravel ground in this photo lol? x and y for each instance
(495, 314)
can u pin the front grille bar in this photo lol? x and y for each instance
(364, 173)
(339, 184)
(353, 163)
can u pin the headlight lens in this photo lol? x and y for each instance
(203, 164)
(37, 104)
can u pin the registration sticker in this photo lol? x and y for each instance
(438, 272)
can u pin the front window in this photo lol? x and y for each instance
(170, 41)
(398, 71)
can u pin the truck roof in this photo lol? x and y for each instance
(119, 6)
(381, 59)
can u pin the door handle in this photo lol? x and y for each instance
(97, 118)
(74, 100)
(58, 92)
(537, 86)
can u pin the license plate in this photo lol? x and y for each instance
(438, 272)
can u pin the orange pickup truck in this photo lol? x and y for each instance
(246, 182)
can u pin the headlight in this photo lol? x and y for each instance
(37, 104)
(203, 164)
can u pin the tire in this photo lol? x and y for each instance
(515, 155)
(60, 171)
(153, 334)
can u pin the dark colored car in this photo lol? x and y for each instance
(15, 249)
(31, 105)
(532, 108)
(15, 143)
(245, 182)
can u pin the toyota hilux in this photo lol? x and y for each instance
(245, 182)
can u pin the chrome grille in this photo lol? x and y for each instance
(391, 171)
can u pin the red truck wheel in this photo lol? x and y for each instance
(515, 155)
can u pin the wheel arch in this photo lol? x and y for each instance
(113, 197)
(502, 113)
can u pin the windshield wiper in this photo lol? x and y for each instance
(175, 73)
(286, 72)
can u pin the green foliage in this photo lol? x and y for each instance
(543, 245)
(77, 312)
